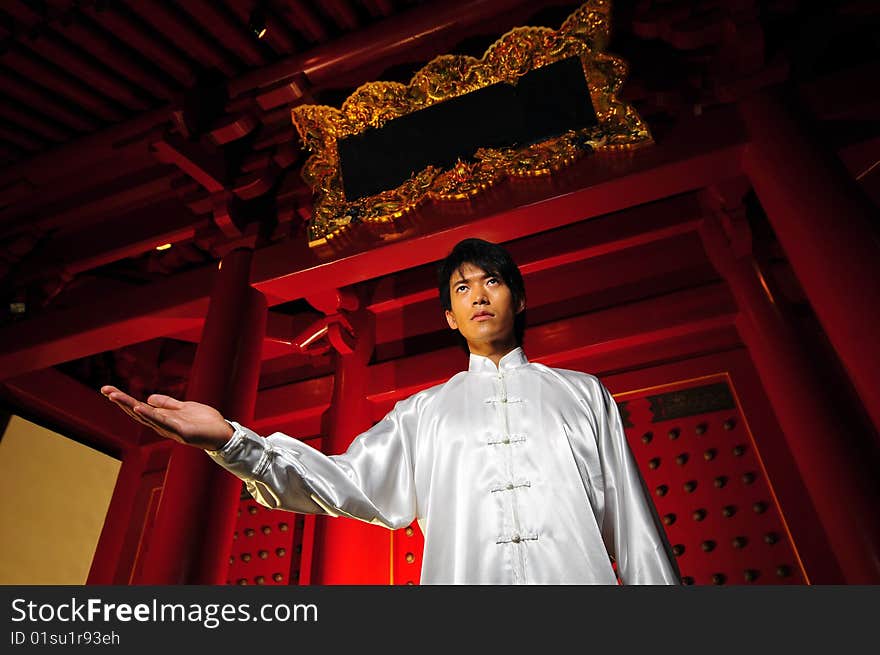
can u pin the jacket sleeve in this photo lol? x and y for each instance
(631, 528)
(372, 481)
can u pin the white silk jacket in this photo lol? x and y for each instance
(517, 474)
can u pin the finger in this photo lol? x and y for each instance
(132, 414)
(145, 414)
(163, 401)
(108, 389)
(162, 430)
(154, 415)
(123, 399)
(126, 403)
(166, 426)
(120, 398)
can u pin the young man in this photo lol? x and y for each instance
(517, 473)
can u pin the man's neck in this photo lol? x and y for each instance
(492, 351)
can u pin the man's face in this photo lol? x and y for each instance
(482, 309)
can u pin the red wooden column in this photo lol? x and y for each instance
(347, 551)
(106, 558)
(824, 223)
(192, 534)
(841, 482)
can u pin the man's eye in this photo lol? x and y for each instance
(461, 287)
(493, 280)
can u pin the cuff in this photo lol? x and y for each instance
(237, 435)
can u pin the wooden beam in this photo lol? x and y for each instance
(55, 398)
(690, 161)
(121, 319)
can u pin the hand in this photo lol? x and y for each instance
(187, 421)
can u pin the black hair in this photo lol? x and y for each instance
(493, 259)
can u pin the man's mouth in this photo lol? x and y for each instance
(482, 316)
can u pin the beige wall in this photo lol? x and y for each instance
(54, 494)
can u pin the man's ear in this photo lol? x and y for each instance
(450, 318)
(522, 306)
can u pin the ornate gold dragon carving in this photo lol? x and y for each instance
(584, 34)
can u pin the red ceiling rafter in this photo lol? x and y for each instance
(45, 129)
(342, 14)
(283, 37)
(427, 27)
(301, 14)
(116, 20)
(379, 8)
(187, 37)
(61, 82)
(92, 73)
(226, 29)
(115, 53)
(26, 92)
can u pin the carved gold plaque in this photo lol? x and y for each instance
(584, 34)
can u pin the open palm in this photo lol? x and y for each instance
(184, 421)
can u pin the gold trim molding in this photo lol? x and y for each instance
(584, 34)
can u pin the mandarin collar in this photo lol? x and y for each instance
(513, 359)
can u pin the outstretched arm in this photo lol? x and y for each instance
(372, 481)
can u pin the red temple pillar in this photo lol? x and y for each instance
(347, 551)
(192, 534)
(824, 223)
(106, 558)
(841, 483)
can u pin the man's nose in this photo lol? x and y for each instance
(480, 298)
